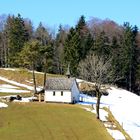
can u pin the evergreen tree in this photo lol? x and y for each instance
(71, 54)
(77, 45)
(59, 50)
(84, 38)
(46, 60)
(102, 45)
(42, 35)
(117, 61)
(29, 28)
(17, 36)
(81, 24)
(129, 55)
(29, 57)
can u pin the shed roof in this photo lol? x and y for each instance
(59, 83)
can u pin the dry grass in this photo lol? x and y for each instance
(21, 76)
(41, 121)
(2, 82)
(24, 76)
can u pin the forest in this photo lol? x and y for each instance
(41, 49)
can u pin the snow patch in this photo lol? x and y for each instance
(18, 84)
(3, 105)
(26, 100)
(8, 86)
(10, 69)
(79, 80)
(31, 82)
(4, 90)
(116, 134)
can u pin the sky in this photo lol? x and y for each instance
(67, 12)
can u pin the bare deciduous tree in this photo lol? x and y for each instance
(97, 70)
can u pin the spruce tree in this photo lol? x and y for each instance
(42, 35)
(129, 55)
(17, 36)
(102, 45)
(59, 50)
(29, 57)
(77, 45)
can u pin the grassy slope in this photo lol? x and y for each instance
(23, 75)
(36, 121)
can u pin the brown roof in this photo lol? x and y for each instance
(59, 83)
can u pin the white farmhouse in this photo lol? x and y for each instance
(63, 90)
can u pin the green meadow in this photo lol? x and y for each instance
(44, 121)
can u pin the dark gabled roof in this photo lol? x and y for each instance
(59, 83)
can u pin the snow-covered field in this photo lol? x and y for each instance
(16, 84)
(6, 88)
(124, 105)
(15, 88)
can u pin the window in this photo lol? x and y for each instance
(61, 93)
(53, 93)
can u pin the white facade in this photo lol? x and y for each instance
(64, 96)
(75, 92)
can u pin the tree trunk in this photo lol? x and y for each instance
(130, 80)
(44, 79)
(34, 80)
(98, 94)
(45, 73)
(5, 55)
(98, 107)
(130, 74)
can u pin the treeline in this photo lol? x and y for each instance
(23, 46)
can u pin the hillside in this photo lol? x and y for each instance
(35, 121)
(123, 106)
(20, 80)
(42, 120)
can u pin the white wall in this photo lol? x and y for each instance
(68, 96)
(58, 98)
(75, 91)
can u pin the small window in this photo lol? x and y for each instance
(61, 93)
(53, 93)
